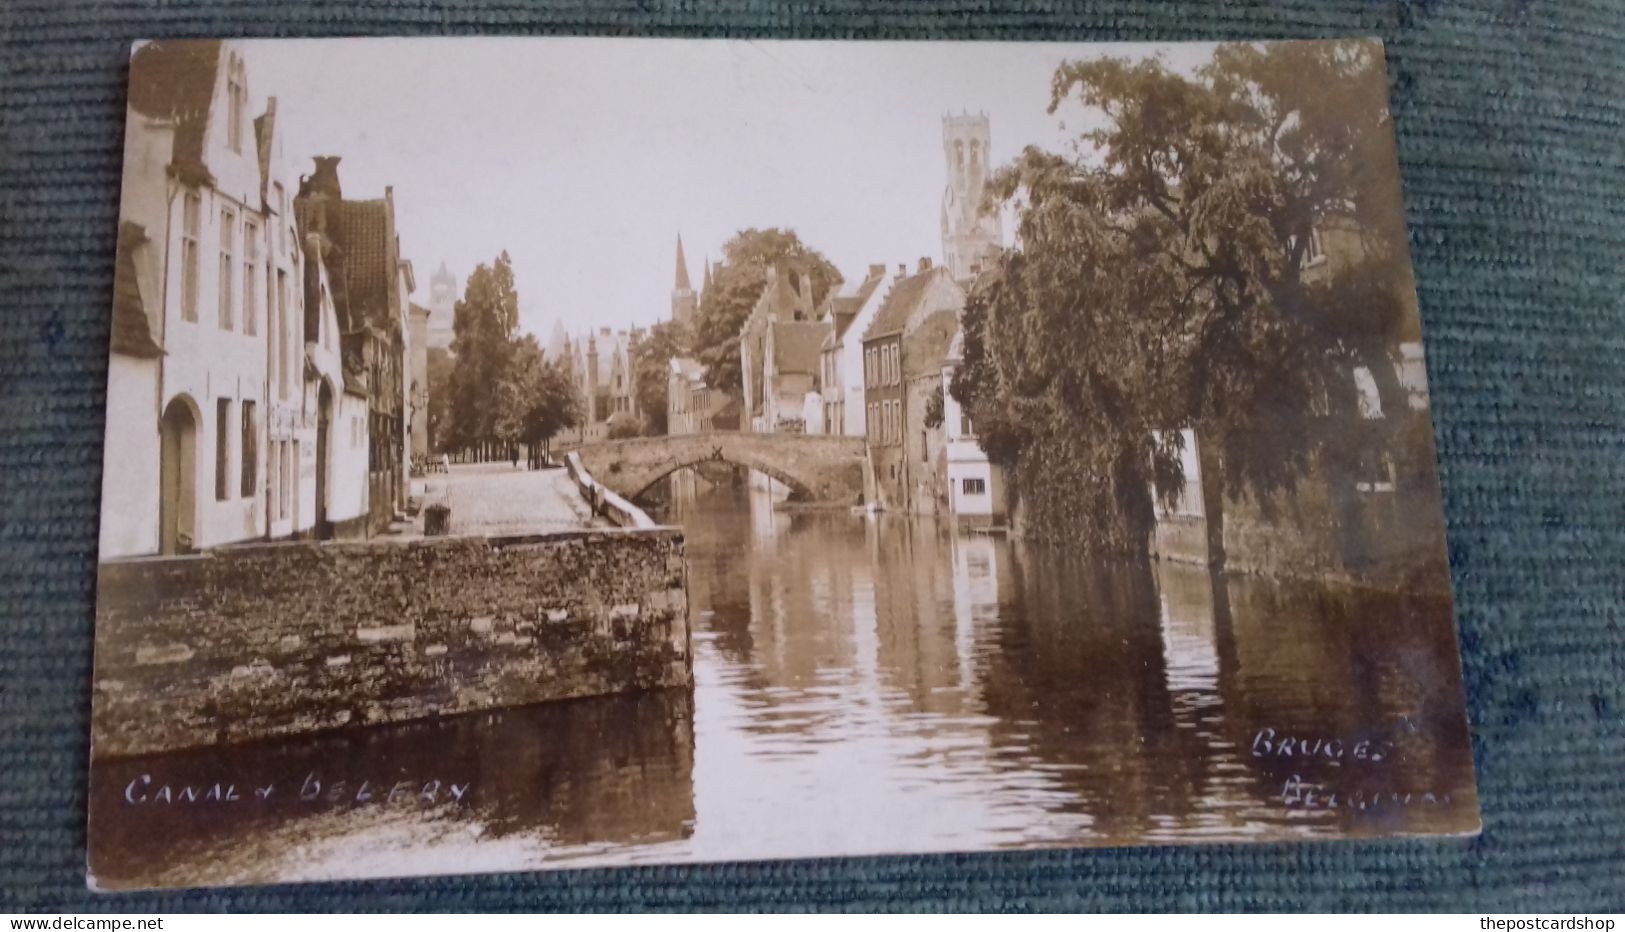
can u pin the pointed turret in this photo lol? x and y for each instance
(682, 269)
(683, 302)
(558, 343)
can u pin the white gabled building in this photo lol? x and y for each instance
(841, 357)
(215, 429)
(188, 472)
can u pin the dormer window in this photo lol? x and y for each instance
(236, 105)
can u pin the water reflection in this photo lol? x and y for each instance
(882, 684)
(496, 791)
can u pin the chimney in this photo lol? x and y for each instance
(325, 180)
(804, 298)
(902, 270)
(925, 264)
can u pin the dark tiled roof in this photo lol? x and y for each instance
(781, 297)
(899, 306)
(174, 79)
(845, 308)
(361, 231)
(877, 274)
(842, 320)
(796, 345)
(925, 347)
(132, 330)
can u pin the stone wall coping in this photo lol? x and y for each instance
(496, 541)
(604, 500)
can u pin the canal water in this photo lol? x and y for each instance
(866, 685)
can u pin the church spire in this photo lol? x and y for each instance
(706, 287)
(683, 300)
(682, 268)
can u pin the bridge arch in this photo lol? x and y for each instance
(817, 468)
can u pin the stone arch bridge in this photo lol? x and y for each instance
(816, 467)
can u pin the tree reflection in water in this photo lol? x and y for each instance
(871, 685)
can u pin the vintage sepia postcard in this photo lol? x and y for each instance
(542, 453)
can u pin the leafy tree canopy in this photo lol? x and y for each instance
(1158, 281)
(499, 388)
(737, 283)
(486, 317)
(651, 370)
(535, 399)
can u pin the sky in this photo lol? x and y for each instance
(585, 158)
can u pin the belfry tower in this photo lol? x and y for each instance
(684, 303)
(442, 307)
(968, 235)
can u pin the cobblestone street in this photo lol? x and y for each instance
(496, 498)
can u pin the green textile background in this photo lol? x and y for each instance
(1511, 121)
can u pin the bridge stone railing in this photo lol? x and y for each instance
(817, 467)
(618, 510)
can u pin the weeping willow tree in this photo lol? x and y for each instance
(1158, 284)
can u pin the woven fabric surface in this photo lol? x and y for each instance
(1511, 122)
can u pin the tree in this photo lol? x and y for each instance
(440, 368)
(1157, 285)
(736, 285)
(623, 426)
(934, 408)
(485, 321)
(535, 399)
(651, 370)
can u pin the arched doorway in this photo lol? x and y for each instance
(324, 429)
(177, 495)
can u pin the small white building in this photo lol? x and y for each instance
(975, 484)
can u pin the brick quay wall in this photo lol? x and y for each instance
(256, 641)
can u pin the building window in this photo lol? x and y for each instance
(279, 199)
(251, 278)
(251, 452)
(964, 424)
(236, 107)
(191, 220)
(1314, 250)
(228, 266)
(1374, 471)
(222, 449)
(280, 331)
(290, 498)
(327, 332)
(973, 486)
(273, 481)
(287, 472)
